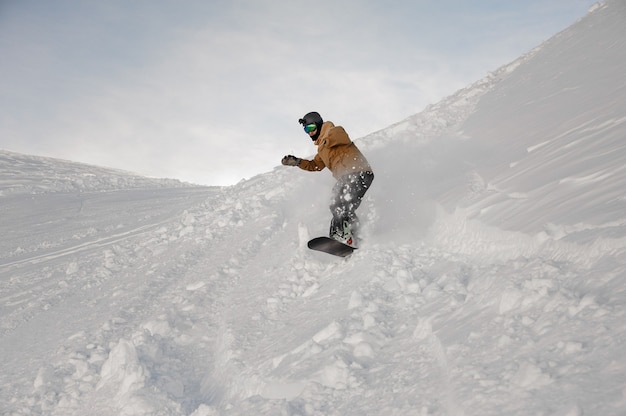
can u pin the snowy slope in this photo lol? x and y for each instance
(490, 281)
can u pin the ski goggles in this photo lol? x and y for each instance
(309, 128)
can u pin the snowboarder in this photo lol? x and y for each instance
(354, 174)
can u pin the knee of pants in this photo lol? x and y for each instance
(338, 211)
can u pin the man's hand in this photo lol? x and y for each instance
(290, 160)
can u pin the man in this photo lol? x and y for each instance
(354, 175)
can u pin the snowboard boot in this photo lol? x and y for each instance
(343, 234)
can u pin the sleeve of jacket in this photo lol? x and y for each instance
(314, 165)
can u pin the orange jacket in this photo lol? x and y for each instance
(337, 152)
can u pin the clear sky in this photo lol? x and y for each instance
(211, 91)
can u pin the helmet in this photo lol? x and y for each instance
(313, 118)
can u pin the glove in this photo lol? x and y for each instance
(290, 160)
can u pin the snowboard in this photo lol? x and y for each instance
(330, 246)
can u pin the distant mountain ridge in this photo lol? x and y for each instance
(20, 173)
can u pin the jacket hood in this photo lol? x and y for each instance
(332, 135)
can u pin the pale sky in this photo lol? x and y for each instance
(210, 91)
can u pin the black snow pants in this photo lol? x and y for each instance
(346, 198)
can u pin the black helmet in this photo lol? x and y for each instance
(313, 118)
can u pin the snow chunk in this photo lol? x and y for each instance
(123, 369)
(356, 300)
(204, 410)
(510, 300)
(195, 286)
(157, 328)
(423, 330)
(71, 268)
(363, 350)
(336, 376)
(530, 376)
(332, 332)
